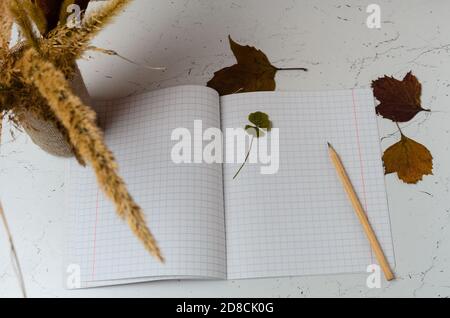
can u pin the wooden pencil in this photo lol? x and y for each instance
(362, 216)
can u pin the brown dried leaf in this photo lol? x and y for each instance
(409, 159)
(51, 10)
(65, 13)
(253, 72)
(83, 4)
(399, 100)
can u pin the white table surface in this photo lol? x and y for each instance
(190, 38)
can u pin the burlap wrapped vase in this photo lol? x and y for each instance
(45, 133)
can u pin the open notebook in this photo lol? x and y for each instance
(209, 226)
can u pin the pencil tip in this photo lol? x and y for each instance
(329, 145)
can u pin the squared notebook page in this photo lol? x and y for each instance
(183, 203)
(299, 221)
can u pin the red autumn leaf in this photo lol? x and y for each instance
(399, 100)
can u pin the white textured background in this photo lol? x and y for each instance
(190, 38)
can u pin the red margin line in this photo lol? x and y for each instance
(360, 156)
(95, 237)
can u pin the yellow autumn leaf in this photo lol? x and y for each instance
(409, 159)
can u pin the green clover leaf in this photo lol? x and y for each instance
(260, 121)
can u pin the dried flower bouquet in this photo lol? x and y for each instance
(35, 78)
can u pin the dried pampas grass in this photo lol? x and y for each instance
(79, 120)
(6, 23)
(35, 77)
(64, 45)
(14, 256)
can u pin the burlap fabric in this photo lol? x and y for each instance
(45, 133)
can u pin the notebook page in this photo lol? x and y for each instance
(299, 221)
(183, 203)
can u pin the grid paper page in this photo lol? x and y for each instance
(299, 220)
(183, 203)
